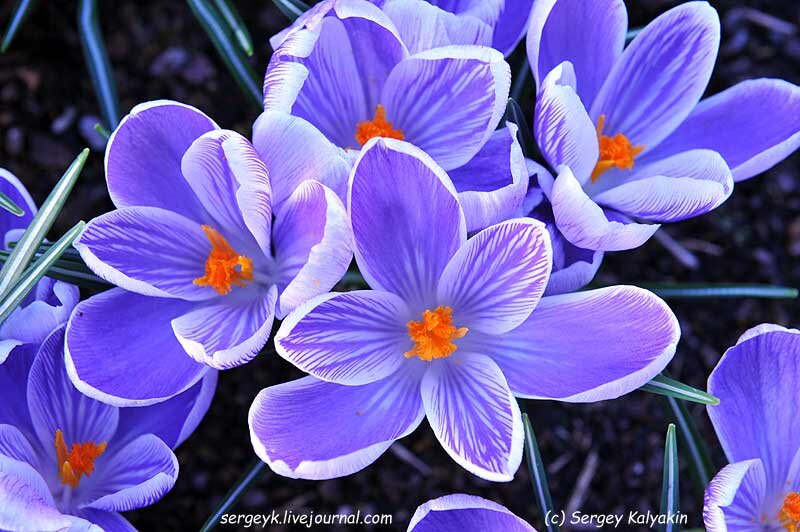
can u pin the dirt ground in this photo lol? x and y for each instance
(158, 50)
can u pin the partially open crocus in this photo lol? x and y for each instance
(465, 513)
(627, 130)
(201, 265)
(451, 331)
(50, 302)
(347, 70)
(758, 385)
(68, 462)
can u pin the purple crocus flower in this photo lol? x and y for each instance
(50, 302)
(202, 268)
(354, 74)
(70, 462)
(465, 513)
(626, 130)
(758, 385)
(452, 330)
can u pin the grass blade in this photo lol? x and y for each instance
(102, 131)
(18, 16)
(236, 25)
(8, 204)
(40, 225)
(720, 291)
(96, 56)
(670, 489)
(663, 385)
(232, 55)
(37, 270)
(291, 8)
(538, 477)
(232, 497)
(699, 457)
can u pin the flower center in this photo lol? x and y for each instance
(790, 512)
(433, 336)
(78, 461)
(377, 127)
(616, 151)
(224, 267)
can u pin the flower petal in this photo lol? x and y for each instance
(173, 420)
(492, 185)
(682, 186)
(143, 157)
(112, 361)
(552, 32)
(225, 332)
(134, 476)
(359, 424)
(107, 521)
(276, 137)
(449, 100)
(563, 129)
(406, 219)
(465, 513)
(55, 404)
(587, 346)
(586, 225)
(149, 251)
(15, 445)
(661, 75)
(14, 382)
(474, 416)
(313, 245)
(350, 338)
(32, 323)
(735, 498)
(495, 280)
(25, 500)
(14, 189)
(727, 123)
(758, 384)
(511, 25)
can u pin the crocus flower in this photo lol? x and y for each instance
(202, 268)
(758, 385)
(70, 462)
(347, 71)
(452, 330)
(50, 302)
(626, 130)
(465, 513)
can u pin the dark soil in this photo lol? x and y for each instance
(158, 50)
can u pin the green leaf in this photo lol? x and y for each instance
(670, 488)
(102, 131)
(719, 291)
(40, 225)
(699, 457)
(514, 114)
(663, 385)
(538, 477)
(96, 56)
(36, 271)
(291, 8)
(232, 55)
(18, 16)
(9, 205)
(256, 468)
(236, 24)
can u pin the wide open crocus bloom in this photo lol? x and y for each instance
(452, 330)
(50, 302)
(758, 385)
(202, 268)
(465, 513)
(354, 73)
(628, 129)
(70, 462)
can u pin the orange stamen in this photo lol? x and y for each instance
(377, 127)
(790, 512)
(616, 151)
(433, 336)
(224, 267)
(78, 461)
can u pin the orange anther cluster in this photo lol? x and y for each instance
(433, 336)
(78, 461)
(377, 127)
(616, 151)
(224, 267)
